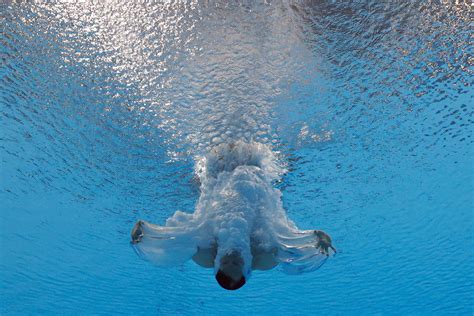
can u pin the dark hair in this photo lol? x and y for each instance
(227, 282)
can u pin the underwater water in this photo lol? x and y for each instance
(107, 105)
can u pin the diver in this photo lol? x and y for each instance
(239, 224)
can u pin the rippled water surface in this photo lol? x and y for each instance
(105, 106)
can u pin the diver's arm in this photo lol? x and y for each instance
(302, 251)
(264, 260)
(163, 245)
(205, 257)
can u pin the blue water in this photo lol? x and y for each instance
(105, 107)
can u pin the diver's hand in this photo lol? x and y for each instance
(137, 232)
(324, 242)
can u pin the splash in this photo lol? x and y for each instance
(239, 210)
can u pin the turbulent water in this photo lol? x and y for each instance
(106, 106)
(238, 211)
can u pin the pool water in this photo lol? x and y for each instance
(105, 107)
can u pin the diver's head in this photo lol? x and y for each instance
(230, 273)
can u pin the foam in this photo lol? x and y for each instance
(239, 209)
